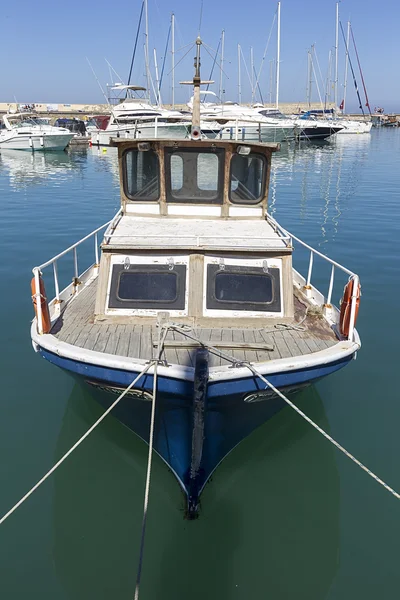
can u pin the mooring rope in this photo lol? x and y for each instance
(249, 366)
(81, 439)
(162, 334)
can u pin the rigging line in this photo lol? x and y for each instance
(316, 83)
(352, 70)
(266, 49)
(218, 64)
(135, 46)
(162, 334)
(247, 71)
(165, 56)
(186, 45)
(114, 71)
(213, 65)
(258, 86)
(81, 439)
(361, 73)
(209, 47)
(201, 15)
(319, 68)
(181, 59)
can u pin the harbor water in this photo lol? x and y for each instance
(286, 516)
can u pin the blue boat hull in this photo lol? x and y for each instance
(227, 417)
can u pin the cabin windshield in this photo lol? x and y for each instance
(247, 178)
(194, 175)
(141, 175)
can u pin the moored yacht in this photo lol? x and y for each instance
(26, 131)
(194, 305)
(135, 117)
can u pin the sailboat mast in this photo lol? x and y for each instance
(252, 74)
(278, 54)
(239, 78)
(173, 58)
(157, 79)
(222, 64)
(336, 55)
(346, 67)
(146, 45)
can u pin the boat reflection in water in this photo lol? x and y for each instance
(271, 513)
(35, 168)
(327, 174)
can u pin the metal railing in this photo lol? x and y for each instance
(335, 265)
(37, 271)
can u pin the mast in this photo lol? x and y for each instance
(173, 58)
(271, 79)
(309, 78)
(196, 131)
(252, 74)
(346, 67)
(239, 80)
(157, 79)
(222, 64)
(146, 46)
(278, 54)
(336, 55)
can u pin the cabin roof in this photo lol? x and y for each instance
(199, 234)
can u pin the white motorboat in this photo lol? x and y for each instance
(245, 123)
(136, 118)
(26, 131)
(351, 126)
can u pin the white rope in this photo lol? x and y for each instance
(300, 412)
(85, 435)
(162, 334)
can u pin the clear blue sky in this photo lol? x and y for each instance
(44, 46)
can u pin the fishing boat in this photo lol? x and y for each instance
(26, 131)
(193, 304)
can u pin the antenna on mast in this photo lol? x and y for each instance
(196, 131)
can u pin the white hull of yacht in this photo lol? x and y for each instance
(255, 133)
(354, 127)
(146, 130)
(35, 142)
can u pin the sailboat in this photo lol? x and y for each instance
(193, 305)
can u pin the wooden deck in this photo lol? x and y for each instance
(76, 326)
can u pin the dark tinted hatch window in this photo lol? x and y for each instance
(243, 288)
(148, 286)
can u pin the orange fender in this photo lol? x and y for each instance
(345, 307)
(46, 321)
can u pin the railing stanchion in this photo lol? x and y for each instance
(76, 272)
(96, 249)
(307, 287)
(329, 298)
(57, 302)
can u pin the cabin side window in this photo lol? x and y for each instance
(247, 178)
(194, 175)
(141, 175)
(243, 288)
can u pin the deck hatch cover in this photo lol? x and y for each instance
(148, 286)
(243, 288)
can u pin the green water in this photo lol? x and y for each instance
(285, 516)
